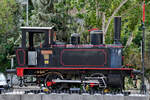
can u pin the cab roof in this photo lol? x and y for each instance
(37, 28)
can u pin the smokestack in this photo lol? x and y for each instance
(117, 29)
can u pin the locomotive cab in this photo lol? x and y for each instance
(35, 40)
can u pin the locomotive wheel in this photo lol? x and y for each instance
(52, 85)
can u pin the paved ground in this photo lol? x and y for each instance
(71, 97)
(18, 94)
(21, 90)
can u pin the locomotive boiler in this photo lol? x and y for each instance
(58, 66)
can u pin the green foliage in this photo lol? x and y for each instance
(8, 30)
(53, 14)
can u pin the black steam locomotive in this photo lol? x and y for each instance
(94, 66)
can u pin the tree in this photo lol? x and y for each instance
(51, 13)
(8, 30)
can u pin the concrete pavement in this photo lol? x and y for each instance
(71, 97)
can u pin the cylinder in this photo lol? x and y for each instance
(75, 39)
(96, 37)
(117, 29)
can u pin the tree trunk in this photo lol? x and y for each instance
(129, 40)
(103, 25)
(112, 16)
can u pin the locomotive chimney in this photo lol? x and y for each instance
(117, 29)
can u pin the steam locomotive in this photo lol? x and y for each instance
(58, 66)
